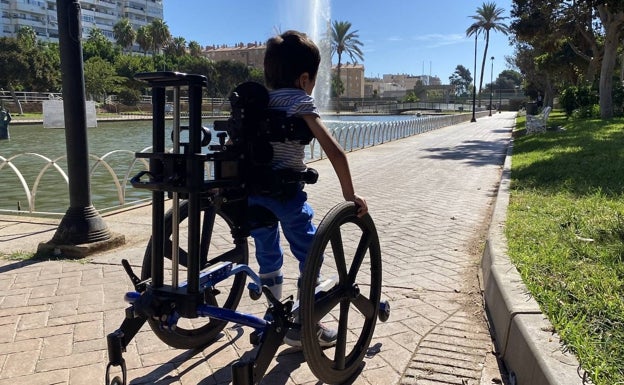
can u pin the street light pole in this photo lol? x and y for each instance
(82, 224)
(474, 87)
(491, 84)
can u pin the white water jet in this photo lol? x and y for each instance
(314, 18)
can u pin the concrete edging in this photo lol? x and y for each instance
(524, 337)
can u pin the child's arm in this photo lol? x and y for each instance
(338, 159)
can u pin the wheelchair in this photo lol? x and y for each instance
(204, 235)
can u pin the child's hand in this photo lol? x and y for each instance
(362, 207)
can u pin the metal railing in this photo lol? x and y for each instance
(351, 136)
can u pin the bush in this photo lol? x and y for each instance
(129, 97)
(618, 98)
(586, 112)
(578, 98)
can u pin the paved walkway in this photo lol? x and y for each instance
(430, 197)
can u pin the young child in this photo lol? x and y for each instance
(291, 64)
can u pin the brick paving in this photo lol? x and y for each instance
(430, 196)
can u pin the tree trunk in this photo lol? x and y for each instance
(15, 99)
(340, 81)
(612, 24)
(487, 43)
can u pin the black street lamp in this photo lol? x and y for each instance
(491, 84)
(500, 98)
(82, 224)
(474, 87)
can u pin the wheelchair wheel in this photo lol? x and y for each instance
(215, 229)
(346, 247)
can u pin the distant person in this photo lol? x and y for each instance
(291, 64)
(539, 100)
(5, 119)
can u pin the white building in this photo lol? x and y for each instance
(41, 16)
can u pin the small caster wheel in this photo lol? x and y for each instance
(384, 311)
(254, 292)
(116, 381)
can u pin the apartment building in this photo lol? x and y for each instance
(352, 76)
(41, 16)
(250, 54)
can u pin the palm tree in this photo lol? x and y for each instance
(488, 18)
(124, 34)
(160, 34)
(344, 41)
(195, 48)
(176, 47)
(144, 38)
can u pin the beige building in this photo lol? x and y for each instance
(352, 76)
(41, 16)
(252, 54)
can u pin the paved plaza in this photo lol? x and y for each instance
(431, 197)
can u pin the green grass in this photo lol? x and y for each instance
(565, 229)
(17, 256)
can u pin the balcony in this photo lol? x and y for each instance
(28, 6)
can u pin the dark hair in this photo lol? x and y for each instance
(287, 57)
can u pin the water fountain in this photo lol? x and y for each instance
(314, 18)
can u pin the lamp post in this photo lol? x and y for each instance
(82, 224)
(474, 87)
(500, 98)
(491, 84)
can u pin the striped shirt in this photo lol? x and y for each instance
(290, 154)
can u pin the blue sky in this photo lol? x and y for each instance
(399, 36)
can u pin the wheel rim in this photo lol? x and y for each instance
(192, 333)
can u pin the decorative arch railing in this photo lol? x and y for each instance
(352, 135)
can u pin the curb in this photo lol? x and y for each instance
(524, 338)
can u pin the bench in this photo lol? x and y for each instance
(537, 123)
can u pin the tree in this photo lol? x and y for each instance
(195, 49)
(176, 47)
(98, 45)
(230, 74)
(551, 64)
(588, 33)
(100, 78)
(13, 67)
(127, 66)
(343, 41)
(160, 34)
(462, 80)
(124, 34)
(144, 38)
(488, 18)
(612, 18)
(44, 74)
(508, 80)
(27, 38)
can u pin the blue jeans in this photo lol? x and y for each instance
(295, 217)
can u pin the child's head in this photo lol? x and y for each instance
(287, 57)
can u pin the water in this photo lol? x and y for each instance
(114, 142)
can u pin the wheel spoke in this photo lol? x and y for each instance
(339, 256)
(341, 343)
(365, 306)
(236, 255)
(327, 302)
(360, 253)
(206, 235)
